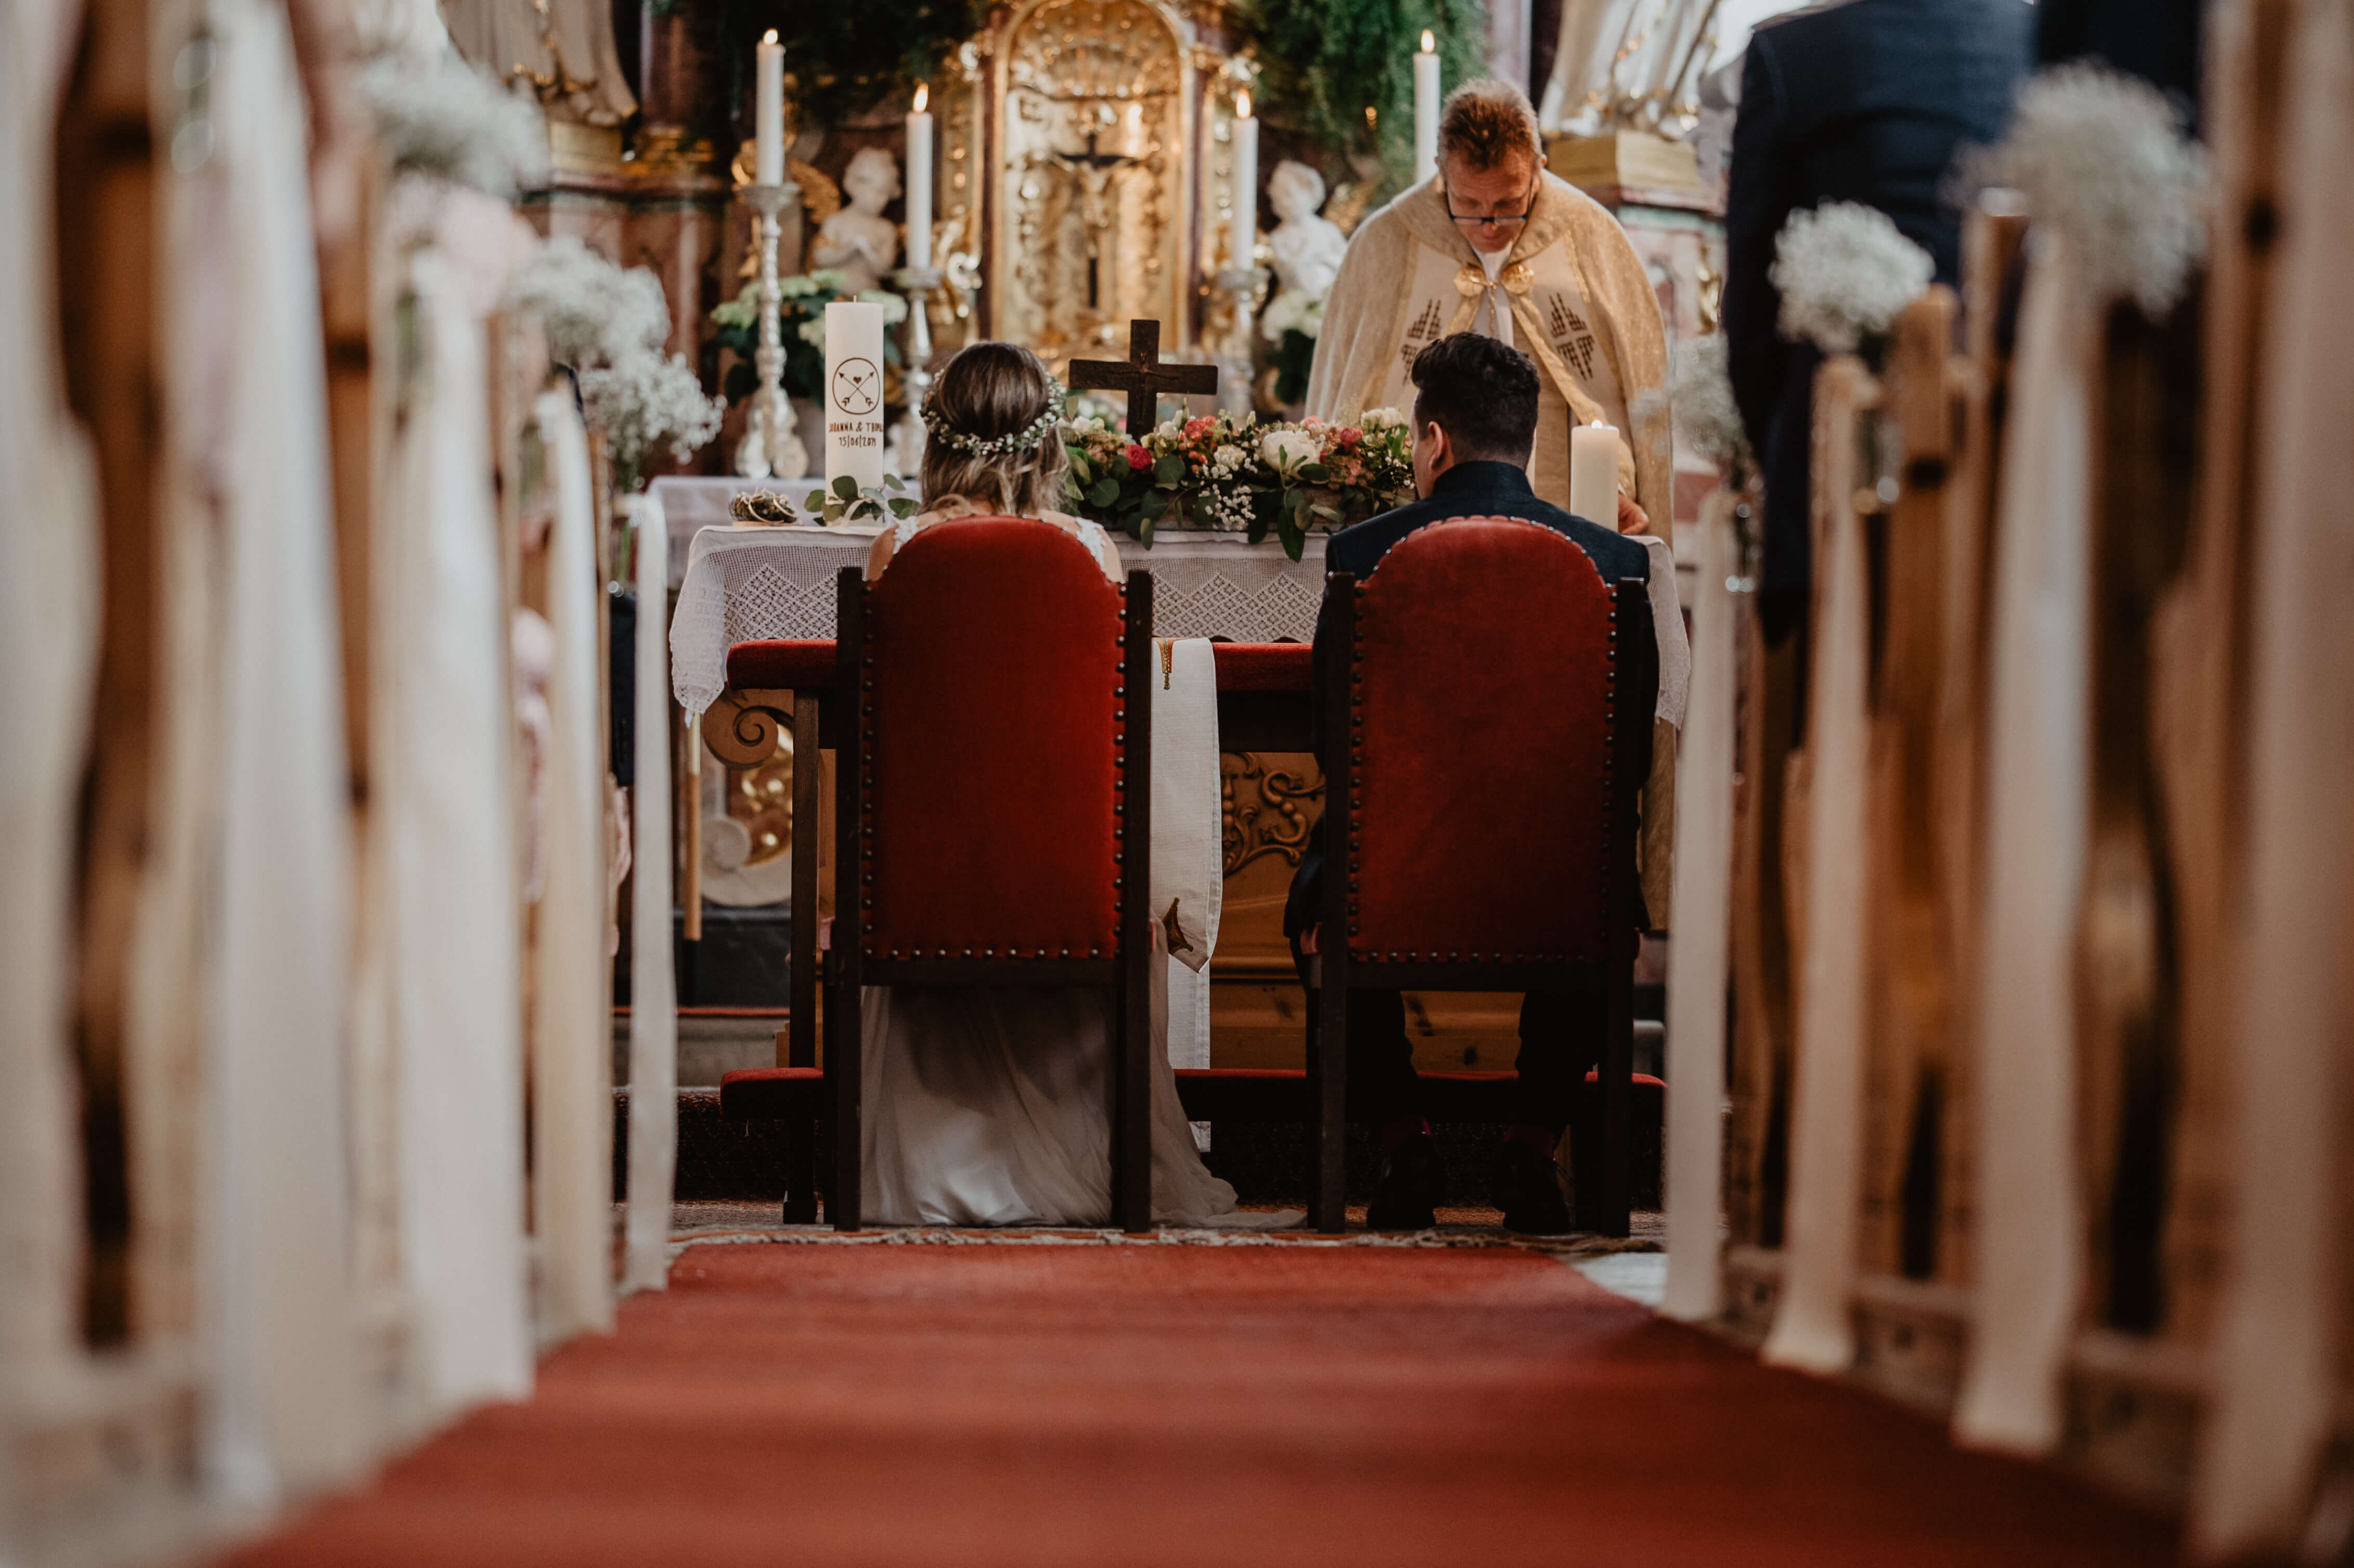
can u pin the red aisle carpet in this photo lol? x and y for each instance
(1287, 1405)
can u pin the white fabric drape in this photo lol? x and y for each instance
(1187, 846)
(48, 643)
(1697, 966)
(286, 1411)
(1811, 1326)
(2027, 1227)
(454, 974)
(2278, 1359)
(653, 1018)
(572, 1087)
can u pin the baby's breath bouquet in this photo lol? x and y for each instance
(1845, 272)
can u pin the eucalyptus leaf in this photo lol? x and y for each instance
(1104, 492)
(1169, 470)
(1314, 472)
(1329, 513)
(902, 507)
(1144, 532)
(846, 487)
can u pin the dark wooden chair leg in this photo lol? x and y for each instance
(1618, 1085)
(1332, 1097)
(801, 1025)
(844, 1056)
(1132, 1065)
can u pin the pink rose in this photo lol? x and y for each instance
(1349, 436)
(1138, 460)
(1196, 429)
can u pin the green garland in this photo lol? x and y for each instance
(1324, 62)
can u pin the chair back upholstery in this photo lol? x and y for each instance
(988, 690)
(1484, 683)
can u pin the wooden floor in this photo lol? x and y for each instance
(1285, 1403)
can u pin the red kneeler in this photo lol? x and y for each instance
(986, 834)
(1481, 685)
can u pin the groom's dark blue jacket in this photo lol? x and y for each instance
(1467, 490)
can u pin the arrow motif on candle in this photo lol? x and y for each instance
(855, 385)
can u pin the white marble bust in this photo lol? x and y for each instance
(1306, 248)
(858, 241)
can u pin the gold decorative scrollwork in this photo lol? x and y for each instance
(1266, 810)
(744, 726)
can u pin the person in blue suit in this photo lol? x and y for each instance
(1475, 421)
(1865, 101)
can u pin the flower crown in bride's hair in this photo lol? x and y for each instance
(1023, 439)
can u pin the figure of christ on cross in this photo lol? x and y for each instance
(1143, 377)
(1094, 171)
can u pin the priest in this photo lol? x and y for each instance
(1497, 244)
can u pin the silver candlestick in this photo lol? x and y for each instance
(1239, 287)
(771, 447)
(919, 282)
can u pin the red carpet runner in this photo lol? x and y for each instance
(1279, 1404)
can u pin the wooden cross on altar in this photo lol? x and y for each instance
(1143, 377)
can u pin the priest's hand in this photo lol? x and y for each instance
(1632, 519)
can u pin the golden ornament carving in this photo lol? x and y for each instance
(1264, 809)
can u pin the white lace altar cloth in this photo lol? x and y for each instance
(744, 584)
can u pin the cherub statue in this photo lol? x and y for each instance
(858, 241)
(1306, 248)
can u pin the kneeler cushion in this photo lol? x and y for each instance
(789, 664)
(1482, 800)
(993, 648)
(1262, 666)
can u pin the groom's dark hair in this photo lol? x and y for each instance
(1482, 394)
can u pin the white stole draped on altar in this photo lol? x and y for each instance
(286, 1414)
(2028, 1229)
(572, 1078)
(1697, 963)
(653, 993)
(1811, 1327)
(1188, 846)
(444, 748)
(49, 646)
(2279, 1355)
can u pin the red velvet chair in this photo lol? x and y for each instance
(1481, 683)
(985, 831)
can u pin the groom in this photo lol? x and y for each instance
(1475, 419)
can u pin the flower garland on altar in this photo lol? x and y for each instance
(1237, 475)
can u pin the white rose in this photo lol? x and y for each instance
(1380, 420)
(1284, 450)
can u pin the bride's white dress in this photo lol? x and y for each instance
(989, 1105)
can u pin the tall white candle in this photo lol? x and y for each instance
(769, 117)
(854, 392)
(1594, 473)
(919, 182)
(1243, 238)
(1426, 109)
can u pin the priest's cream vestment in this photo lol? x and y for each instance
(1578, 302)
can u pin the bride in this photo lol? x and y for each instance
(986, 1106)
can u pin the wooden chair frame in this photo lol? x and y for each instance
(1338, 969)
(1127, 973)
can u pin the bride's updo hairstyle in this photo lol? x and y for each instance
(993, 433)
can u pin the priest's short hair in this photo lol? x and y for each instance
(1482, 393)
(1486, 122)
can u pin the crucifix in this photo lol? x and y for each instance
(1143, 377)
(1094, 170)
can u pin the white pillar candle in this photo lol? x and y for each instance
(854, 392)
(1594, 473)
(919, 182)
(1426, 109)
(1243, 238)
(769, 118)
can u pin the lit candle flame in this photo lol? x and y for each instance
(1428, 43)
(1242, 105)
(923, 95)
(771, 36)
